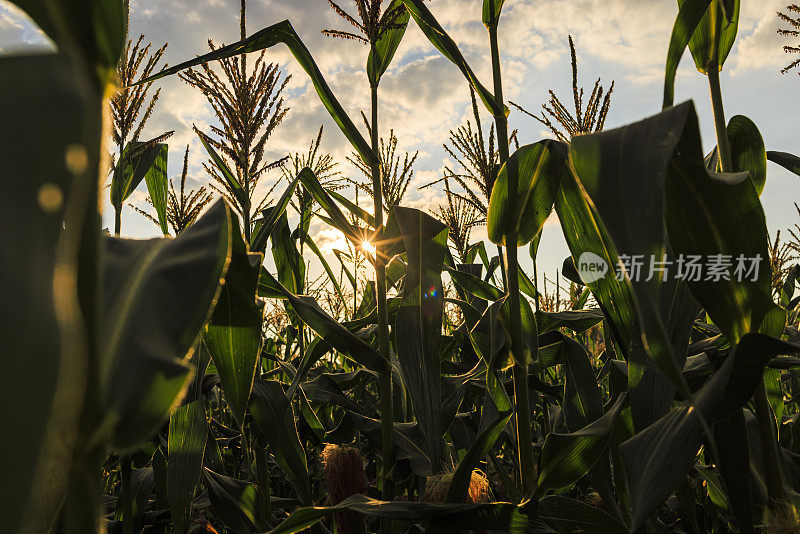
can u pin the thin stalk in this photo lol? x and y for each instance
(126, 495)
(262, 475)
(725, 162)
(724, 147)
(385, 385)
(520, 373)
(117, 221)
(767, 438)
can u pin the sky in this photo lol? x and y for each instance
(423, 95)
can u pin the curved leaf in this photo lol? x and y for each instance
(158, 294)
(381, 56)
(790, 162)
(537, 170)
(505, 517)
(439, 38)
(702, 44)
(275, 418)
(233, 501)
(566, 458)
(233, 335)
(283, 32)
(689, 16)
(747, 150)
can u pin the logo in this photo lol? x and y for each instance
(591, 267)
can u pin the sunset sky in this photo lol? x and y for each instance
(423, 95)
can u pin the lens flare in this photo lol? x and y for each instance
(369, 247)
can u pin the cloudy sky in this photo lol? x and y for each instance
(423, 95)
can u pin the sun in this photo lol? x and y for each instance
(369, 247)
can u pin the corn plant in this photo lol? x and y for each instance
(199, 391)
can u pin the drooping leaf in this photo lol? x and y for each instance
(790, 162)
(567, 457)
(689, 16)
(505, 517)
(158, 295)
(537, 171)
(332, 333)
(233, 335)
(657, 458)
(274, 416)
(231, 181)
(136, 163)
(418, 328)
(233, 501)
(449, 49)
(157, 181)
(283, 32)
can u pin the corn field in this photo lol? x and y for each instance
(424, 382)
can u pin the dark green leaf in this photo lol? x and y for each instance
(537, 171)
(283, 32)
(158, 295)
(233, 501)
(715, 25)
(275, 418)
(233, 335)
(381, 56)
(689, 16)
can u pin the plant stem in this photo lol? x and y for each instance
(520, 373)
(117, 221)
(126, 495)
(723, 146)
(767, 438)
(385, 385)
(262, 475)
(725, 164)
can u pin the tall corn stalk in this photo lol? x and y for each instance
(249, 106)
(372, 24)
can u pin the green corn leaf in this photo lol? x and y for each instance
(730, 435)
(187, 439)
(449, 49)
(270, 218)
(505, 517)
(283, 32)
(157, 181)
(46, 115)
(491, 12)
(711, 215)
(716, 25)
(657, 458)
(585, 234)
(136, 162)
(332, 333)
(230, 179)
(572, 515)
(567, 457)
(359, 212)
(93, 29)
(274, 416)
(689, 16)
(233, 335)
(289, 263)
(537, 170)
(233, 501)
(158, 295)
(381, 56)
(418, 328)
(576, 320)
(474, 285)
(497, 409)
(325, 265)
(790, 162)
(747, 150)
